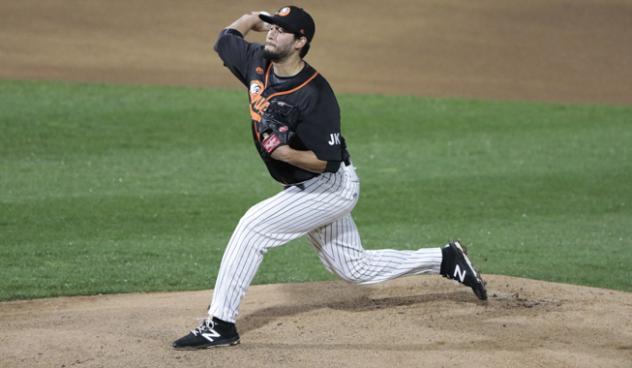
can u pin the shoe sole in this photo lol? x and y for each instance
(208, 346)
(480, 290)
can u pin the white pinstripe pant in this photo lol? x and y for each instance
(322, 211)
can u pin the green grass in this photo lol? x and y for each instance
(125, 188)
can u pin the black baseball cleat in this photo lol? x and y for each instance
(457, 266)
(210, 334)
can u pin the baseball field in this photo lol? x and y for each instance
(126, 162)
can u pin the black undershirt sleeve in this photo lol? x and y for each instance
(235, 52)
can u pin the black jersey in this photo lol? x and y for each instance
(318, 125)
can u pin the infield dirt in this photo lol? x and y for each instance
(414, 322)
(566, 51)
(551, 50)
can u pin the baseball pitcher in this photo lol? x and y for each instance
(295, 123)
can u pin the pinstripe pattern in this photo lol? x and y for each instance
(322, 211)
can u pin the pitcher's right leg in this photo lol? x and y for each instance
(340, 249)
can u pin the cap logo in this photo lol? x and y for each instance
(284, 11)
(259, 70)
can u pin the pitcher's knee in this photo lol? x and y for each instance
(355, 272)
(355, 280)
(258, 230)
(250, 223)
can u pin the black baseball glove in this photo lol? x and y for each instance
(276, 126)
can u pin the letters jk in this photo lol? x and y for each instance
(334, 138)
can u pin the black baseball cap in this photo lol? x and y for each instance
(293, 19)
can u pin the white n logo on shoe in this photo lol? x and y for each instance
(210, 335)
(459, 273)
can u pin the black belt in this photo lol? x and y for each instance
(347, 161)
(298, 185)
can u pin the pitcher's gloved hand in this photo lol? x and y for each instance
(274, 128)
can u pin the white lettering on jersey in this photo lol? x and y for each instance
(334, 139)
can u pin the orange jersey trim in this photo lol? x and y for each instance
(265, 82)
(263, 103)
(293, 89)
(267, 78)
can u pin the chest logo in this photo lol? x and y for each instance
(258, 104)
(256, 87)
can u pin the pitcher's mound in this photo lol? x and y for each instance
(420, 321)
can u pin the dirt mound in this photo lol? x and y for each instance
(419, 321)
